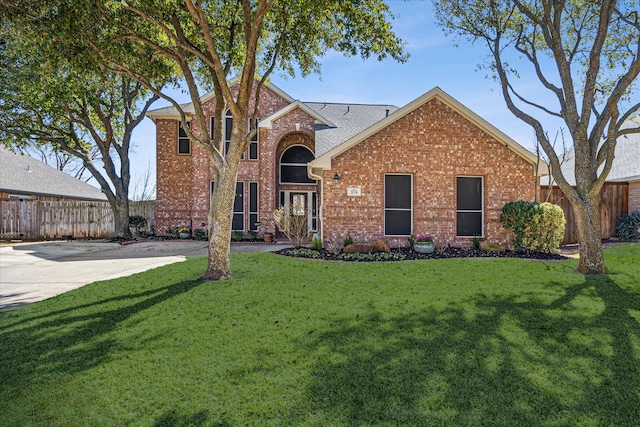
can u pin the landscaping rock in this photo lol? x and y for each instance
(358, 248)
(491, 247)
(381, 246)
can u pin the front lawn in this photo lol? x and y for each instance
(295, 342)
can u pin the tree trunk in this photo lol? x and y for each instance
(220, 220)
(120, 210)
(587, 214)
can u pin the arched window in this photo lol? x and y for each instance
(293, 165)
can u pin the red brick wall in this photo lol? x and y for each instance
(434, 144)
(183, 181)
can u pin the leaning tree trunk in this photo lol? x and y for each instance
(220, 220)
(587, 215)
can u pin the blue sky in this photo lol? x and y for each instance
(434, 61)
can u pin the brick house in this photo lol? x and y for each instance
(371, 171)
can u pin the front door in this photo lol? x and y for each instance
(302, 203)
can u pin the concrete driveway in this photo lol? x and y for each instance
(32, 272)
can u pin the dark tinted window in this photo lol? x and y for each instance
(397, 191)
(253, 205)
(297, 154)
(293, 165)
(397, 205)
(238, 208)
(469, 224)
(295, 174)
(469, 193)
(469, 210)
(184, 144)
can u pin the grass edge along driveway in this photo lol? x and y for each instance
(303, 342)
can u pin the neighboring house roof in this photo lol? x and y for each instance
(324, 161)
(21, 174)
(626, 162)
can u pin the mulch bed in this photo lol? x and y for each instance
(408, 254)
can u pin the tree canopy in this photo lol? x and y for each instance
(54, 92)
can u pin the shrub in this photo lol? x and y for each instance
(236, 236)
(294, 226)
(251, 234)
(333, 246)
(476, 241)
(348, 241)
(628, 226)
(199, 233)
(137, 223)
(532, 225)
(316, 242)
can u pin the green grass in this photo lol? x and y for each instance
(294, 342)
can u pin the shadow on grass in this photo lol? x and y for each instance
(74, 338)
(505, 361)
(173, 418)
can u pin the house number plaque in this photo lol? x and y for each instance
(354, 191)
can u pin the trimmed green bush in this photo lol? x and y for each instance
(534, 226)
(316, 242)
(628, 226)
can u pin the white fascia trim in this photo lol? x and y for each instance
(170, 112)
(324, 161)
(267, 122)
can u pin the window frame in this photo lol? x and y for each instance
(182, 138)
(394, 209)
(472, 211)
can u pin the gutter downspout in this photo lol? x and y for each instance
(321, 204)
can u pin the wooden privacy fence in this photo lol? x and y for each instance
(614, 201)
(43, 220)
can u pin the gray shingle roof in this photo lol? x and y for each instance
(626, 164)
(350, 119)
(24, 175)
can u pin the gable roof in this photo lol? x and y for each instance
(267, 122)
(171, 112)
(324, 160)
(21, 174)
(626, 162)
